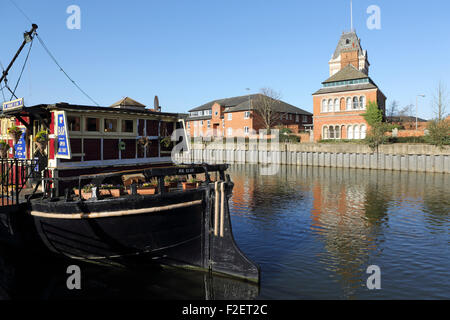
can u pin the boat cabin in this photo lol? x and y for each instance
(90, 139)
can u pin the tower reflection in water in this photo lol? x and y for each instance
(315, 231)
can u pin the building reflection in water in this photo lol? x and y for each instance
(347, 211)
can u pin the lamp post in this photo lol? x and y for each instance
(417, 108)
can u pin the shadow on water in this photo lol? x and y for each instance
(26, 277)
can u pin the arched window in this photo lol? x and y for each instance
(337, 132)
(324, 105)
(355, 103)
(363, 131)
(330, 105)
(349, 103)
(362, 102)
(336, 105)
(350, 132)
(325, 132)
(357, 133)
(331, 129)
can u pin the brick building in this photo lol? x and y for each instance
(340, 103)
(237, 116)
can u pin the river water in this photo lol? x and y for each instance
(313, 231)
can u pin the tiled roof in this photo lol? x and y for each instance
(242, 103)
(348, 41)
(347, 73)
(127, 102)
(352, 87)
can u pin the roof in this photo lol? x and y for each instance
(83, 108)
(351, 87)
(127, 102)
(347, 73)
(244, 103)
(348, 41)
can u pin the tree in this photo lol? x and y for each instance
(373, 114)
(405, 115)
(439, 133)
(266, 106)
(440, 102)
(392, 110)
(378, 129)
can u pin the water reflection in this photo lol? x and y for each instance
(316, 230)
(28, 277)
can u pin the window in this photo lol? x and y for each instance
(230, 132)
(350, 132)
(363, 131)
(246, 130)
(336, 105)
(355, 103)
(305, 119)
(290, 116)
(331, 132)
(324, 105)
(189, 125)
(74, 123)
(356, 132)
(325, 133)
(362, 102)
(92, 124)
(297, 118)
(200, 113)
(230, 116)
(110, 125)
(223, 123)
(208, 123)
(337, 132)
(247, 115)
(349, 103)
(128, 126)
(201, 123)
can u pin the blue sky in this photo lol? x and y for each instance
(191, 52)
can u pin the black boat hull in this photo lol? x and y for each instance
(173, 228)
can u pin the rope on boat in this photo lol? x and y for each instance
(96, 215)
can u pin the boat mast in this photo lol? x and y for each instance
(28, 36)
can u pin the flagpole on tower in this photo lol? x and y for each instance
(351, 15)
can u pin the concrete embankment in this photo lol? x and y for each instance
(398, 157)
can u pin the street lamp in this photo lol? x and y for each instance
(417, 108)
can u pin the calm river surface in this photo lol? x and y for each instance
(313, 231)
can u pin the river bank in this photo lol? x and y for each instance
(397, 157)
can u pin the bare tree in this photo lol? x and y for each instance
(405, 115)
(440, 102)
(266, 106)
(392, 110)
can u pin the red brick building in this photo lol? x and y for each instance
(340, 103)
(233, 117)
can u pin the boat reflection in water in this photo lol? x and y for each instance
(27, 278)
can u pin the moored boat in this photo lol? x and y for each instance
(186, 228)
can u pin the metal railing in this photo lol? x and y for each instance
(15, 174)
(50, 183)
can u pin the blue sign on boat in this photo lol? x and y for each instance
(13, 105)
(21, 146)
(63, 151)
